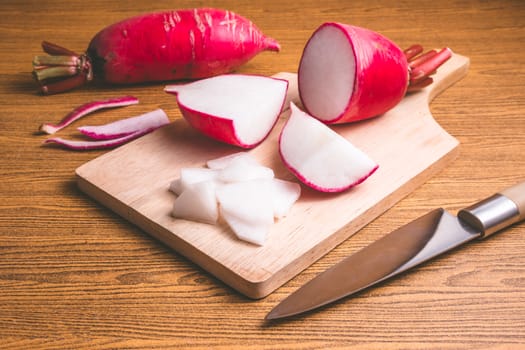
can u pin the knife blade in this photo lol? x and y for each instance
(412, 244)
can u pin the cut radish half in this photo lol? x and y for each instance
(319, 157)
(348, 73)
(236, 109)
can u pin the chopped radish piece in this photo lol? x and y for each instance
(191, 176)
(198, 203)
(247, 194)
(123, 127)
(241, 169)
(236, 109)
(247, 207)
(319, 157)
(88, 108)
(247, 231)
(223, 162)
(285, 194)
(176, 186)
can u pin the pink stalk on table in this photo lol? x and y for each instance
(86, 109)
(349, 73)
(115, 133)
(125, 127)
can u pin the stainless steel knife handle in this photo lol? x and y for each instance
(496, 212)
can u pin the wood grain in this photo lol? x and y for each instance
(73, 275)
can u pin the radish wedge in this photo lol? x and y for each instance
(86, 109)
(123, 127)
(319, 157)
(236, 109)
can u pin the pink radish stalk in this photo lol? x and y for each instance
(91, 145)
(116, 133)
(348, 73)
(86, 109)
(161, 46)
(124, 127)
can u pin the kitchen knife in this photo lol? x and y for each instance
(420, 240)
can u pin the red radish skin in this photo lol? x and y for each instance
(86, 109)
(349, 73)
(161, 46)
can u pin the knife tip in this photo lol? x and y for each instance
(272, 315)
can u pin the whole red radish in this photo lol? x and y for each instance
(349, 73)
(160, 46)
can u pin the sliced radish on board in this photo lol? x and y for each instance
(197, 202)
(223, 162)
(237, 109)
(319, 157)
(244, 193)
(284, 195)
(242, 169)
(247, 207)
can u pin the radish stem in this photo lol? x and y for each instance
(422, 66)
(63, 70)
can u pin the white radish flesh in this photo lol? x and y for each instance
(223, 162)
(197, 202)
(284, 195)
(247, 207)
(241, 169)
(321, 158)
(326, 79)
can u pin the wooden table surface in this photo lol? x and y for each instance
(74, 275)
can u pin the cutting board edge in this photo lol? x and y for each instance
(168, 239)
(257, 289)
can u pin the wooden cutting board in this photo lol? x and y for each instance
(406, 142)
